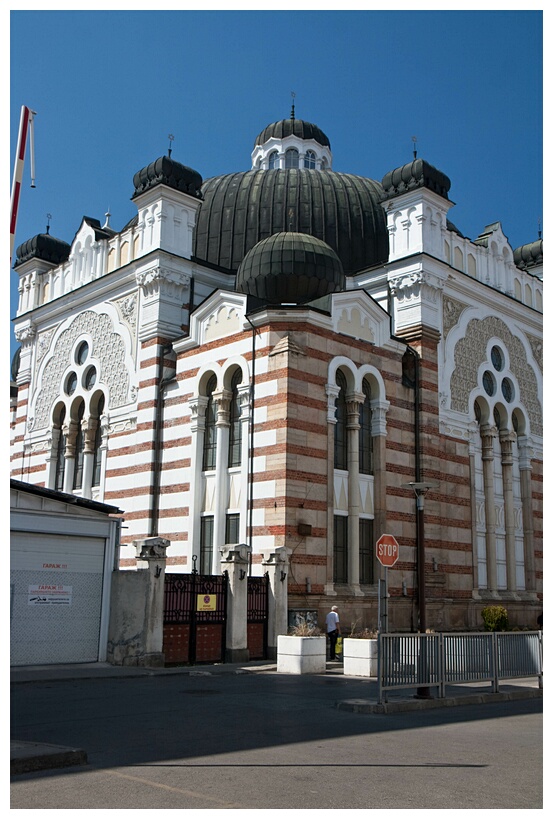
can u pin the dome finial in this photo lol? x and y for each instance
(414, 140)
(171, 140)
(292, 113)
(107, 214)
(48, 216)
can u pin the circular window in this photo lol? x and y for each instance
(498, 359)
(489, 382)
(82, 353)
(90, 378)
(71, 383)
(507, 389)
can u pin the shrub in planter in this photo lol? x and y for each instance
(495, 618)
(361, 652)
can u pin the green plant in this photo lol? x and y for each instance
(305, 630)
(495, 618)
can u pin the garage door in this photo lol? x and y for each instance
(56, 598)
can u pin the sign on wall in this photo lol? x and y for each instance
(206, 602)
(47, 594)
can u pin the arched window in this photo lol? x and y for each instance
(60, 455)
(340, 431)
(365, 436)
(235, 431)
(291, 158)
(210, 434)
(79, 451)
(273, 160)
(309, 160)
(97, 463)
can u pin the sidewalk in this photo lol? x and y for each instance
(30, 756)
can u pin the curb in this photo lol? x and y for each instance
(26, 757)
(366, 707)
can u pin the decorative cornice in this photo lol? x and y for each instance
(160, 281)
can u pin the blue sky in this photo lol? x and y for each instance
(109, 86)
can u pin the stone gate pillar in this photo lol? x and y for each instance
(235, 560)
(275, 563)
(151, 556)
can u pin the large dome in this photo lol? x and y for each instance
(290, 268)
(241, 209)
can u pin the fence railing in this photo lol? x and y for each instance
(437, 660)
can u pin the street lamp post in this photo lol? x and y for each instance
(420, 489)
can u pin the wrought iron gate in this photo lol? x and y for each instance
(195, 618)
(258, 616)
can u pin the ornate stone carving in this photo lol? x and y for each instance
(159, 281)
(413, 286)
(470, 352)
(537, 349)
(44, 341)
(127, 309)
(107, 347)
(452, 310)
(25, 335)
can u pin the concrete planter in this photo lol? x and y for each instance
(301, 655)
(360, 657)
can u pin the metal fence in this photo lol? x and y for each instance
(437, 660)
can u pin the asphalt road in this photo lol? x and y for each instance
(266, 741)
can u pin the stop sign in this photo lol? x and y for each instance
(387, 550)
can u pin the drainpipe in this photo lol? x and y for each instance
(252, 405)
(158, 429)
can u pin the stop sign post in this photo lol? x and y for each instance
(387, 552)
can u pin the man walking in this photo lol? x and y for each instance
(333, 629)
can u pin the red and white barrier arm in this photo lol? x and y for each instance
(25, 126)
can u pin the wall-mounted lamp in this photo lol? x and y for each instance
(308, 585)
(242, 574)
(158, 571)
(282, 577)
(434, 565)
(404, 588)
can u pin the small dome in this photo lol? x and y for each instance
(45, 247)
(528, 256)
(15, 363)
(290, 268)
(416, 174)
(292, 127)
(166, 171)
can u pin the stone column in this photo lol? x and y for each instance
(222, 402)
(352, 403)
(379, 408)
(151, 556)
(197, 406)
(89, 427)
(525, 468)
(245, 420)
(332, 392)
(236, 560)
(70, 432)
(506, 439)
(275, 563)
(487, 434)
(52, 457)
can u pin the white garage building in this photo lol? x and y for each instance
(63, 551)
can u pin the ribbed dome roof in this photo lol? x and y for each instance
(290, 268)
(167, 171)
(528, 256)
(45, 247)
(415, 174)
(296, 127)
(241, 209)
